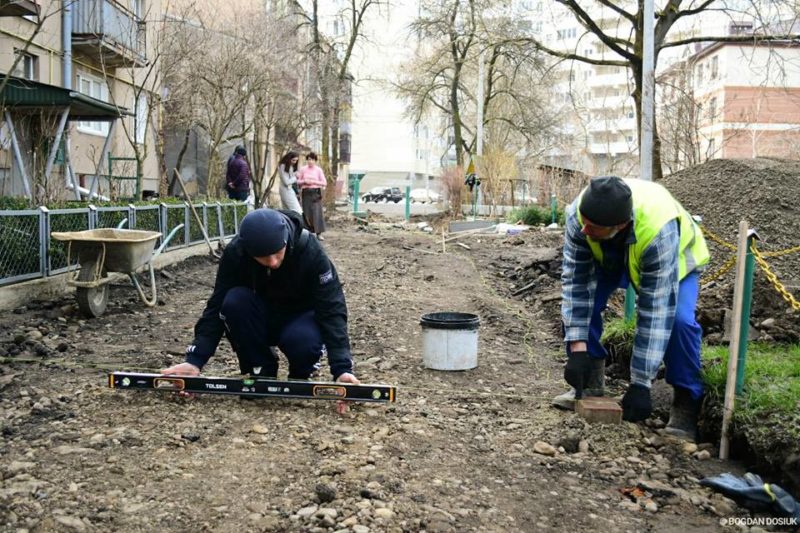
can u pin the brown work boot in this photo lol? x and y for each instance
(683, 415)
(594, 387)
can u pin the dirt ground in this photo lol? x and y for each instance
(479, 450)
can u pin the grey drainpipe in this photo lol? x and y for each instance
(66, 41)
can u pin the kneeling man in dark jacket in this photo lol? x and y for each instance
(275, 287)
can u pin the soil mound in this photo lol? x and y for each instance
(764, 192)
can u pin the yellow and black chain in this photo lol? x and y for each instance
(773, 278)
(721, 271)
(716, 238)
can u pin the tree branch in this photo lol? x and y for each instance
(792, 37)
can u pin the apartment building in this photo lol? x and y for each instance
(82, 100)
(599, 133)
(387, 147)
(734, 101)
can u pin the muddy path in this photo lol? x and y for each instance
(460, 451)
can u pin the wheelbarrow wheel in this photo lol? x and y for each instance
(92, 301)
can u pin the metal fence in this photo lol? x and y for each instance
(27, 251)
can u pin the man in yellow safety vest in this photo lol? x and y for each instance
(621, 232)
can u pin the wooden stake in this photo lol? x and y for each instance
(733, 349)
(444, 246)
(214, 252)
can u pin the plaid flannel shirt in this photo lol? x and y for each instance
(658, 294)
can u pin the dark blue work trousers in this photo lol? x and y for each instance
(253, 327)
(682, 358)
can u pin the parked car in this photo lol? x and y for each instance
(383, 194)
(423, 196)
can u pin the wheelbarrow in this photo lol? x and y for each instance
(100, 251)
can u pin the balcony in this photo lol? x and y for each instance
(107, 32)
(18, 8)
(610, 102)
(612, 148)
(612, 125)
(619, 79)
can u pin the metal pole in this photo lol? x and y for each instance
(747, 299)
(479, 129)
(646, 124)
(408, 202)
(18, 155)
(553, 208)
(356, 192)
(648, 94)
(56, 142)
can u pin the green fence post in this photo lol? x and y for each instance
(747, 298)
(408, 202)
(553, 208)
(630, 303)
(356, 192)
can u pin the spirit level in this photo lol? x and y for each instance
(252, 387)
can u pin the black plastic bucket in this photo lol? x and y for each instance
(449, 320)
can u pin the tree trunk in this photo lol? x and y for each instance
(330, 195)
(173, 180)
(637, 98)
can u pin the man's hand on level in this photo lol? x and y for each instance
(341, 405)
(182, 369)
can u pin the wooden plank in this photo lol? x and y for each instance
(733, 350)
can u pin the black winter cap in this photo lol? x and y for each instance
(607, 201)
(240, 150)
(263, 232)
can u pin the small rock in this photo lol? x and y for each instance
(384, 513)
(261, 429)
(358, 528)
(583, 446)
(325, 493)
(651, 506)
(703, 455)
(544, 448)
(689, 448)
(17, 467)
(71, 522)
(768, 323)
(306, 512)
(191, 437)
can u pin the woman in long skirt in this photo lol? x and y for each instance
(287, 170)
(312, 183)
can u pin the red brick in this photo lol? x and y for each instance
(599, 409)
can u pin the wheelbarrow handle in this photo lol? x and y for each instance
(164, 244)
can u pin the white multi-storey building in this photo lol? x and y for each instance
(388, 148)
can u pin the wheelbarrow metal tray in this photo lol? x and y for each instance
(126, 249)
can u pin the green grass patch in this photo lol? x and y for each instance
(534, 215)
(771, 378)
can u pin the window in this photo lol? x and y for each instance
(712, 109)
(711, 148)
(140, 120)
(629, 138)
(700, 73)
(28, 66)
(714, 67)
(630, 114)
(95, 88)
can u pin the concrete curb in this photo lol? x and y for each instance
(52, 287)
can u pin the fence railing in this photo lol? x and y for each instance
(27, 251)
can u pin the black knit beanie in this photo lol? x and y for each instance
(263, 232)
(607, 201)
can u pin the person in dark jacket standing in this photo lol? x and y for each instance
(237, 175)
(275, 286)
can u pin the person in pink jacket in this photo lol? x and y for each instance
(312, 182)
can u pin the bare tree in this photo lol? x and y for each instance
(330, 57)
(625, 41)
(443, 77)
